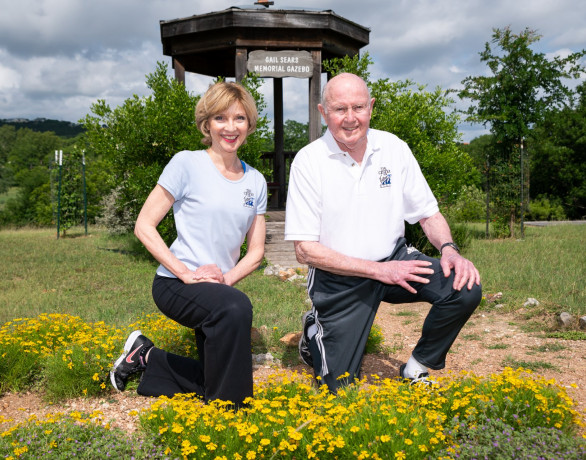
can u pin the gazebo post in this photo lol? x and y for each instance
(240, 63)
(279, 163)
(179, 71)
(314, 97)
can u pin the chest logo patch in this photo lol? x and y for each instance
(248, 198)
(384, 177)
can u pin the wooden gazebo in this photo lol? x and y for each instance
(264, 40)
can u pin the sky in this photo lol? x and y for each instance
(58, 57)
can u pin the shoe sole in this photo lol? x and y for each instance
(127, 346)
(302, 342)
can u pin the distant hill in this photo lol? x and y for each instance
(61, 128)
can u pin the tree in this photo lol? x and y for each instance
(296, 135)
(522, 88)
(138, 138)
(558, 157)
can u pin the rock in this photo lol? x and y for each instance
(263, 358)
(499, 305)
(565, 319)
(257, 334)
(494, 297)
(291, 339)
(582, 323)
(531, 302)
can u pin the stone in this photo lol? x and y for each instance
(291, 339)
(531, 302)
(565, 319)
(257, 334)
(582, 322)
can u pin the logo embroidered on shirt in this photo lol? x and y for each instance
(248, 198)
(384, 176)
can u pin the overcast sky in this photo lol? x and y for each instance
(57, 57)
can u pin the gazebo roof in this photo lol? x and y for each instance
(206, 44)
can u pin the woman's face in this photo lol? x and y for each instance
(229, 129)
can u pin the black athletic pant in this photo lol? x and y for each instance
(222, 318)
(345, 308)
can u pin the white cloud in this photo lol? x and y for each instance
(57, 57)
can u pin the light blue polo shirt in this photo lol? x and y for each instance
(212, 213)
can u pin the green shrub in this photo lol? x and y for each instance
(544, 208)
(75, 437)
(497, 440)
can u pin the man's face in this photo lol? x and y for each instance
(347, 110)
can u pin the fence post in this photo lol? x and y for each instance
(59, 193)
(84, 191)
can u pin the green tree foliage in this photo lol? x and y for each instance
(138, 138)
(426, 121)
(28, 159)
(558, 158)
(296, 135)
(523, 86)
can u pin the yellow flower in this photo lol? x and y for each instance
(251, 454)
(400, 455)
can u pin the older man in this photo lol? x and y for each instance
(350, 193)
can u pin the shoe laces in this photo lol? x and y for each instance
(423, 379)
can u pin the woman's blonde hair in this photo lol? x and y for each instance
(218, 98)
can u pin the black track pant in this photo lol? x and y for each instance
(345, 308)
(222, 318)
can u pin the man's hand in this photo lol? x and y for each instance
(400, 272)
(465, 271)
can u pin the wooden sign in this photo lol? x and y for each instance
(279, 64)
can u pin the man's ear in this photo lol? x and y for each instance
(322, 110)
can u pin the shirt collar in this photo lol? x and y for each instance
(334, 148)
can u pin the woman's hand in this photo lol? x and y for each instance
(210, 273)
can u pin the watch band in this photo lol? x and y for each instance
(452, 245)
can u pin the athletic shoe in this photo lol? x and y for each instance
(131, 361)
(307, 321)
(422, 377)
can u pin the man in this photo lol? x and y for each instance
(349, 194)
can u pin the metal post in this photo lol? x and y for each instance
(84, 191)
(522, 195)
(59, 193)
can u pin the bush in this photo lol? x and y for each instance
(497, 440)
(76, 436)
(470, 206)
(544, 208)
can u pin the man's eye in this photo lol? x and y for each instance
(358, 108)
(340, 110)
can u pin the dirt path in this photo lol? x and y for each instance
(489, 342)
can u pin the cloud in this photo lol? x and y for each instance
(57, 57)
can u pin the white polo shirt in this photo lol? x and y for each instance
(357, 210)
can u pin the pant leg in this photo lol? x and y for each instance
(222, 318)
(344, 309)
(448, 314)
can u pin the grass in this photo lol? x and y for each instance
(547, 265)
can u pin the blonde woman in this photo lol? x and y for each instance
(217, 201)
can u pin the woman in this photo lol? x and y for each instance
(217, 200)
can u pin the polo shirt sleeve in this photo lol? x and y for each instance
(303, 215)
(419, 201)
(172, 178)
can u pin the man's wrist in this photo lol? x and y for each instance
(449, 244)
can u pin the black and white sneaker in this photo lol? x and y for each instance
(131, 361)
(421, 378)
(307, 321)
